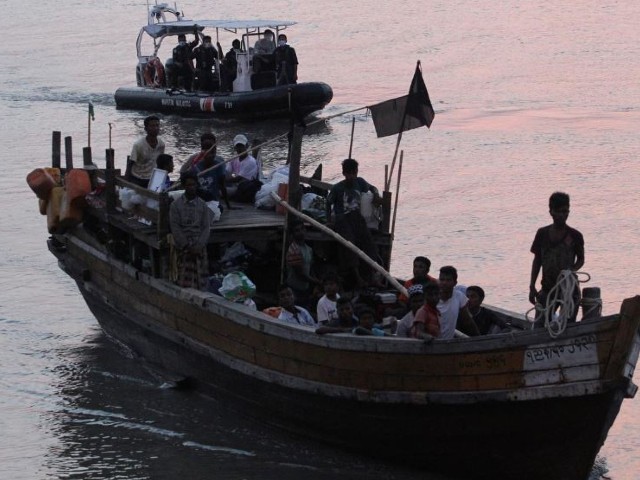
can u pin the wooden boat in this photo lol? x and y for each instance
(252, 95)
(521, 405)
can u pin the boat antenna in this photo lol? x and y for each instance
(110, 127)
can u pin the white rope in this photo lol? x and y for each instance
(561, 295)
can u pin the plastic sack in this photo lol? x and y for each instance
(370, 212)
(214, 208)
(263, 197)
(237, 287)
(129, 198)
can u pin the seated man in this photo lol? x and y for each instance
(290, 312)
(426, 324)
(345, 322)
(416, 301)
(242, 172)
(486, 321)
(421, 266)
(327, 309)
(452, 306)
(211, 180)
(190, 221)
(345, 199)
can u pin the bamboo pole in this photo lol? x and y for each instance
(346, 243)
(395, 204)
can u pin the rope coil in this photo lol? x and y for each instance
(560, 298)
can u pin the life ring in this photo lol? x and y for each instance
(154, 73)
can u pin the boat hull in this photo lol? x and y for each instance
(551, 432)
(270, 102)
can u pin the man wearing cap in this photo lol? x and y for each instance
(244, 166)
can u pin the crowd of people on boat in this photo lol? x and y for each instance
(271, 63)
(339, 296)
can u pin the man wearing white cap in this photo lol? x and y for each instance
(244, 166)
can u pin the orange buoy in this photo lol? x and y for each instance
(55, 174)
(41, 182)
(53, 209)
(70, 213)
(42, 206)
(78, 185)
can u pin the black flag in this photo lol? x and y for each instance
(404, 113)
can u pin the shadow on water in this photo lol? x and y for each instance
(119, 419)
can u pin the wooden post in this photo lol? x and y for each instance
(55, 149)
(109, 158)
(386, 211)
(68, 153)
(86, 156)
(294, 167)
(110, 189)
(163, 215)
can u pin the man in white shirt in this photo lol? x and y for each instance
(244, 166)
(327, 309)
(453, 306)
(144, 153)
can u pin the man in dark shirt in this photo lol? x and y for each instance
(345, 198)
(206, 56)
(182, 61)
(286, 62)
(556, 247)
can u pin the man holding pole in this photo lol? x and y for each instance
(345, 200)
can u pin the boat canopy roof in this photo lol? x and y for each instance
(162, 29)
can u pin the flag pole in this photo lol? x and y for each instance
(404, 116)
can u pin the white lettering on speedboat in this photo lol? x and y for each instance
(168, 102)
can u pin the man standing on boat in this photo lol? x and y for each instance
(144, 153)
(286, 62)
(182, 61)
(556, 247)
(206, 56)
(263, 53)
(345, 200)
(190, 220)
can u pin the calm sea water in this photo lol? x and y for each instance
(531, 97)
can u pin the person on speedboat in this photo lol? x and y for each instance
(286, 62)
(263, 49)
(182, 61)
(230, 66)
(206, 56)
